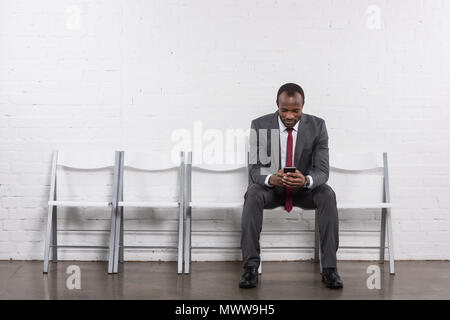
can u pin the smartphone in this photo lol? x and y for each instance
(289, 169)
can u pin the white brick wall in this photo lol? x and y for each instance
(125, 74)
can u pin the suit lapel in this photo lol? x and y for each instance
(301, 137)
(274, 125)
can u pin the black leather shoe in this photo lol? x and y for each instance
(249, 278)
(331, 278)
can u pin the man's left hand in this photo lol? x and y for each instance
(293, 179)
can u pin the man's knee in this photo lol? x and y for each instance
(255, 193)
(324, 193)
(253, 208)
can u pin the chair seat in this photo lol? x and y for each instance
(372, 205)
(64, 203)
(231, 205)
(214, 205)
(148, 204)
(223, 205)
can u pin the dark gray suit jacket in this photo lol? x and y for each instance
(311, 148)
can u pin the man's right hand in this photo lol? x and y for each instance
(275, 179)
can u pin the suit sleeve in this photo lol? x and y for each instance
(320, 159)
(255, 165)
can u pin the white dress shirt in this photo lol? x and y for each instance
(283, 147)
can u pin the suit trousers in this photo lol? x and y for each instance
(258, 198)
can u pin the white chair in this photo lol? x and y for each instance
(347, 172)
(139, 162)
(81, 160)
(361, 182)
(211, 186)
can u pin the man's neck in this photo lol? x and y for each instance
(284, 127)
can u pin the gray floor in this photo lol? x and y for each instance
(219, 280)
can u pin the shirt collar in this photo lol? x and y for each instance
(283, 127)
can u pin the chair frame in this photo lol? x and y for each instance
(51, 243)
(118, 244)
(188, 224)
(386, 224)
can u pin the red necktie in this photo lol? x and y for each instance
(288, 196)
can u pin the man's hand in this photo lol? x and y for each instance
(275, 179)
(293, 179)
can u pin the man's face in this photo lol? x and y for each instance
(290, 108)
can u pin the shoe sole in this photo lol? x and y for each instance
(247, 286)
(332, 287)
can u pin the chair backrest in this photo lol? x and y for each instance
(84, 174)
(355, 177)
(85, 159)
(358, 177)
(217, 182)
(151, 176)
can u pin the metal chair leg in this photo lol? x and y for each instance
(116, 225)
(181, 213)
(48, 237)
(180, 239)
(54, 235)
(391, 242)
(187, 245)
(387, 198)
(121, 209)
(382, 235)
(112, 234)
(187, 232)
(117, 241)
(121, 249)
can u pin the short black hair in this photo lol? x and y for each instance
(290, 89)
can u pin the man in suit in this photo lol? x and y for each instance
(289, 138)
